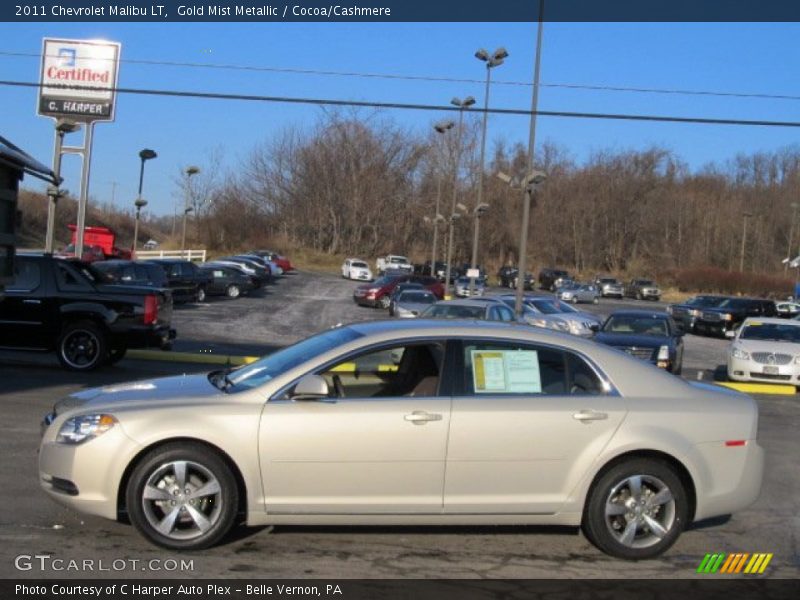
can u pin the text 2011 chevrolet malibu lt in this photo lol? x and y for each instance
(411, 422)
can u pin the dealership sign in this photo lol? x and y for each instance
(78, 79)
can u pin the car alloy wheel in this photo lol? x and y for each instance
(182, 496)
(636, 510)
(595, 300)
(384, 301)
(233, 291)
(201, 294)
(82, 346)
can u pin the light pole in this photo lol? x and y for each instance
(442, 127)
(186, 207)
(789, 256)
(745, 216)
(63, 127)
(454, 216)
(140, 202)
(491, 60)
(462, 106)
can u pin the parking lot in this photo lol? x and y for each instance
(294, 307)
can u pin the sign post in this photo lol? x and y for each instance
(78, 83)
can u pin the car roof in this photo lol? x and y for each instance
(638, 313)
(462, 302)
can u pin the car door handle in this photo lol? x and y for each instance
(31, 301)
(589, 415)
(420, 417)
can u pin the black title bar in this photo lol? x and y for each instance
(400, 10)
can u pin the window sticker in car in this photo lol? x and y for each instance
(506, 371)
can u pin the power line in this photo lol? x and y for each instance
(439, 79)
(426, 107)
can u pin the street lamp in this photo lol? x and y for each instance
(441, 127)
(140, 202)
(186, 207)
(462, 106)
(491, 60)
(529, 184)
(63, 127)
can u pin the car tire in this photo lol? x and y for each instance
(116, 354)
(574, 300)
(233, 291)
(201, 294)
(161, 509)
(649, 493)
(596, 300)
(638, 295)
(384, 301)
(82, 346)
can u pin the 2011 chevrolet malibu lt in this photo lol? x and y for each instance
(411, 422)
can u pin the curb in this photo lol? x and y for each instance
(760, 388)
(190, 357)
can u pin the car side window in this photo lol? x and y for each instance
(506, 314)
(583, 381)
(27, 276)
(69, 281)
(410, 370)
(496, 368)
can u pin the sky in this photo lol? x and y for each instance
(759, 58)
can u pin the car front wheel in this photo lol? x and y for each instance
(384, 301)
(636, 509)
(182, 496)
(201, 294)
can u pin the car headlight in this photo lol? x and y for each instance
(695, 313)
(727, 317)
(797, 359)
(739, 353)
(77, 430)
(576, 327)
(559, 325)
(663, 353)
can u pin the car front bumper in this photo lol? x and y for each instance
(746, 369)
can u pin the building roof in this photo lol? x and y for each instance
(15, 157)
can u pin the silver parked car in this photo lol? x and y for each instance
(462, 288)
(469, 308)
(579, 292)
(411, 303)
(610, 287)
(408, 423)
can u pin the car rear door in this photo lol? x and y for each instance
(377, 448)
(23, 309)
(526, 424)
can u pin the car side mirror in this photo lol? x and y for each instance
(311, 387)
(595, 327)
(730, 334)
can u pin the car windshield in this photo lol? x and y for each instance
(398, 260)
(359, 265)
(262, 371)
(636, 325)
(548, 306)
(773, 332)
(705, 301)
(454, 311)
(645, 282)
(733, 303)
(608, 280)
(417, 297)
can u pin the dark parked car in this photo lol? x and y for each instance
(507, 277)
(66, 306)
(686, 313)
(187, 282)
(131, 272)
(730, 313)
(648, 335)
(226, 281)
(262, 272)
(550, 279)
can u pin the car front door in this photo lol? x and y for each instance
(376, 445)
(526, 426)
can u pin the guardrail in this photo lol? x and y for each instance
(195, 255)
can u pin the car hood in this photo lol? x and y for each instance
(629, 339)
(411, 306)
(162, 390)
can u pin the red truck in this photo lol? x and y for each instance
(98, 244)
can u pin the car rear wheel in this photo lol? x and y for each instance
(574, 300)
(182, 496)
(201, 294)
(82, 346)
(233, 291)
(636, 509)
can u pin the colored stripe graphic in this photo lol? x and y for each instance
(735, 563)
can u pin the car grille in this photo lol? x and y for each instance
(680, 312)
(712, 317)
(770, 358)
(776, 377)
(643, 353)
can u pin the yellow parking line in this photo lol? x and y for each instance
(760, 388)
(191, 357)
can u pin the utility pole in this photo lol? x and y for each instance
(745, 216)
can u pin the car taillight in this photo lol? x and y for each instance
(150, 309)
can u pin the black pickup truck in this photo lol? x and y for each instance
(729, 314)
(64, 306)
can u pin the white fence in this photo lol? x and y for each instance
(196, 255)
